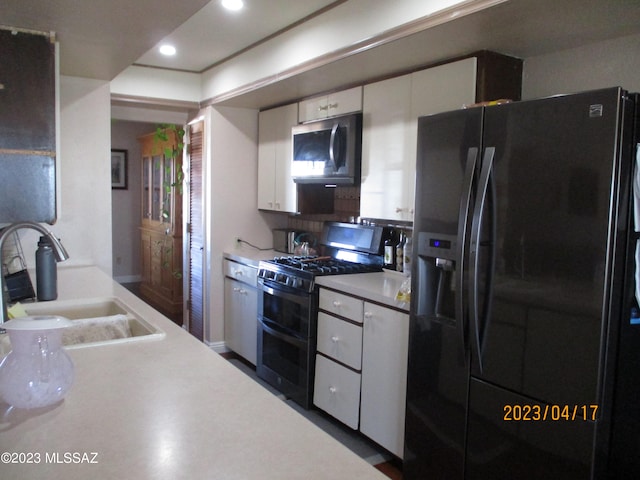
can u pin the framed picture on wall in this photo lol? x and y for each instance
(118, 169)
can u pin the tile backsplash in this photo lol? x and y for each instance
(346, 206)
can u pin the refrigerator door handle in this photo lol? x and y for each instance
(474, 256)
(462, 254)
(636, 220)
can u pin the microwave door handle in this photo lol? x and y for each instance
(332, 145)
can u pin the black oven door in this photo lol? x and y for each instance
(286, 340)
(287, 310)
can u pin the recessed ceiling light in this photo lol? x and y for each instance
(168, 50)
(233, 4)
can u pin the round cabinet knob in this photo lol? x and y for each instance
(335, 339)
(336, 304)
(368, 314)
(332, 390)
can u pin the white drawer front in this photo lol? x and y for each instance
(337, 391)
(343, 305)
(340, 340)
(240, 272)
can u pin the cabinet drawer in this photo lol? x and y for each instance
(340, 340)
(242, 273)
(337, 391)
(342, 305)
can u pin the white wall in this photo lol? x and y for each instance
(148, 114)
(126, 204)
(338, 28)
(157, 83)
(84, 222)
(231, 201)
(600, 65)
(331, 31)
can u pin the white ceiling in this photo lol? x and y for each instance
(213, 33)
(520, 28)
(99, 39)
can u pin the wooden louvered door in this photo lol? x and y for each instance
(195, 232)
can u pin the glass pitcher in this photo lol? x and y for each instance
(37, 372)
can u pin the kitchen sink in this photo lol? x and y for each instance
(102, 321)
(78, 309)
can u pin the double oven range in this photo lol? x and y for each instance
(288, 304)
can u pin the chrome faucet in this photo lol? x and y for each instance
(58, 250)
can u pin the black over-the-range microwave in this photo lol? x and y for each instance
(328, 151)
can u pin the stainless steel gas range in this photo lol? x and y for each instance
(288, 304)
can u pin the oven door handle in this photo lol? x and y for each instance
(281, 291)
(285, 337)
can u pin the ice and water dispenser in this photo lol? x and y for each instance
(435, 280)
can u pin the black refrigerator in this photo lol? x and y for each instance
(524, 349)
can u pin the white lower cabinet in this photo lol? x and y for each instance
(341, 305)
(385, 340)
(337, 391)
(241, 310)
(340, 340)
(361, 367)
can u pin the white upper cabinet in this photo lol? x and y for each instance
(337, 103)
(390, 112)
(389, 154)
(276, 188)
(385, 160)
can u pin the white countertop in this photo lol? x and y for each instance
(164, 409)
(251, 256)
(380, 287)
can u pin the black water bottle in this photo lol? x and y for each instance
(46, 271)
